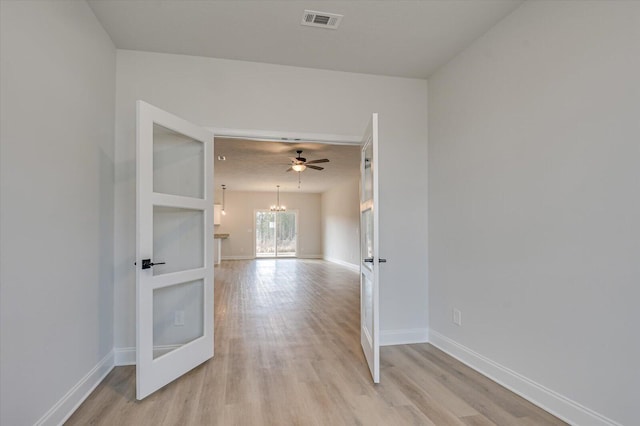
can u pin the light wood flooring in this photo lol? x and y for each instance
(287, 352)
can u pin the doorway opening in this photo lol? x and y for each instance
(337, 213)
(276, 233)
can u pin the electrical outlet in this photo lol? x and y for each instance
(457, 317)
(178, 318)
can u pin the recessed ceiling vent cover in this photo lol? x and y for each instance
(312, 18)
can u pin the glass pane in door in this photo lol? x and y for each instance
(178, 239)
(178, 164)
(286, 234)
(265, 234)
(367, 236)
(276, 233)
(366, 304)
(177, 316)
(367, 177)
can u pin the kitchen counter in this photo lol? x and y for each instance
(217, 247)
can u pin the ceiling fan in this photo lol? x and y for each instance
(299, 163)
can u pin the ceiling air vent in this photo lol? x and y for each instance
(312, 18)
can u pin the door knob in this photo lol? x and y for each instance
(146, 263)
(369, 260)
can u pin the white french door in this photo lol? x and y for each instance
(369, 250)
(174, 248)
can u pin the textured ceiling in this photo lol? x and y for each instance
(260, 166)
(394, 37)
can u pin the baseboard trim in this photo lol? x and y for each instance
(352, 266)
(127, 356)
(404, 336)
(124, 356)
(305, 256)
(64, 408)
(547, 399)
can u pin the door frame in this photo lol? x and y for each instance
(293, 138)
(284, 136)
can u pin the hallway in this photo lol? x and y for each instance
(287, 351)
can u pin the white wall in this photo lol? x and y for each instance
(245, 95)
(57, 79)
(341, 224)
(239, 221)
(534, 173)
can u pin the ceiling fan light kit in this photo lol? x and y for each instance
(300, 164)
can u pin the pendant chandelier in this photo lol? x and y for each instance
(224, 189)
(277, 207)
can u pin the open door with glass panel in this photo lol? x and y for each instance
(370, 249)
(174, 243)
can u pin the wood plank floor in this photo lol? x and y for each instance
(288, 353)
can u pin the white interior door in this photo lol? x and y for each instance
(370, 249)
(174, 248)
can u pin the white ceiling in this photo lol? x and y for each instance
(394, 37)
(260, 166)
(398, 38)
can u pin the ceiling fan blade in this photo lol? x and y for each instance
(289, 169)
(324, 160)
(314, 167)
